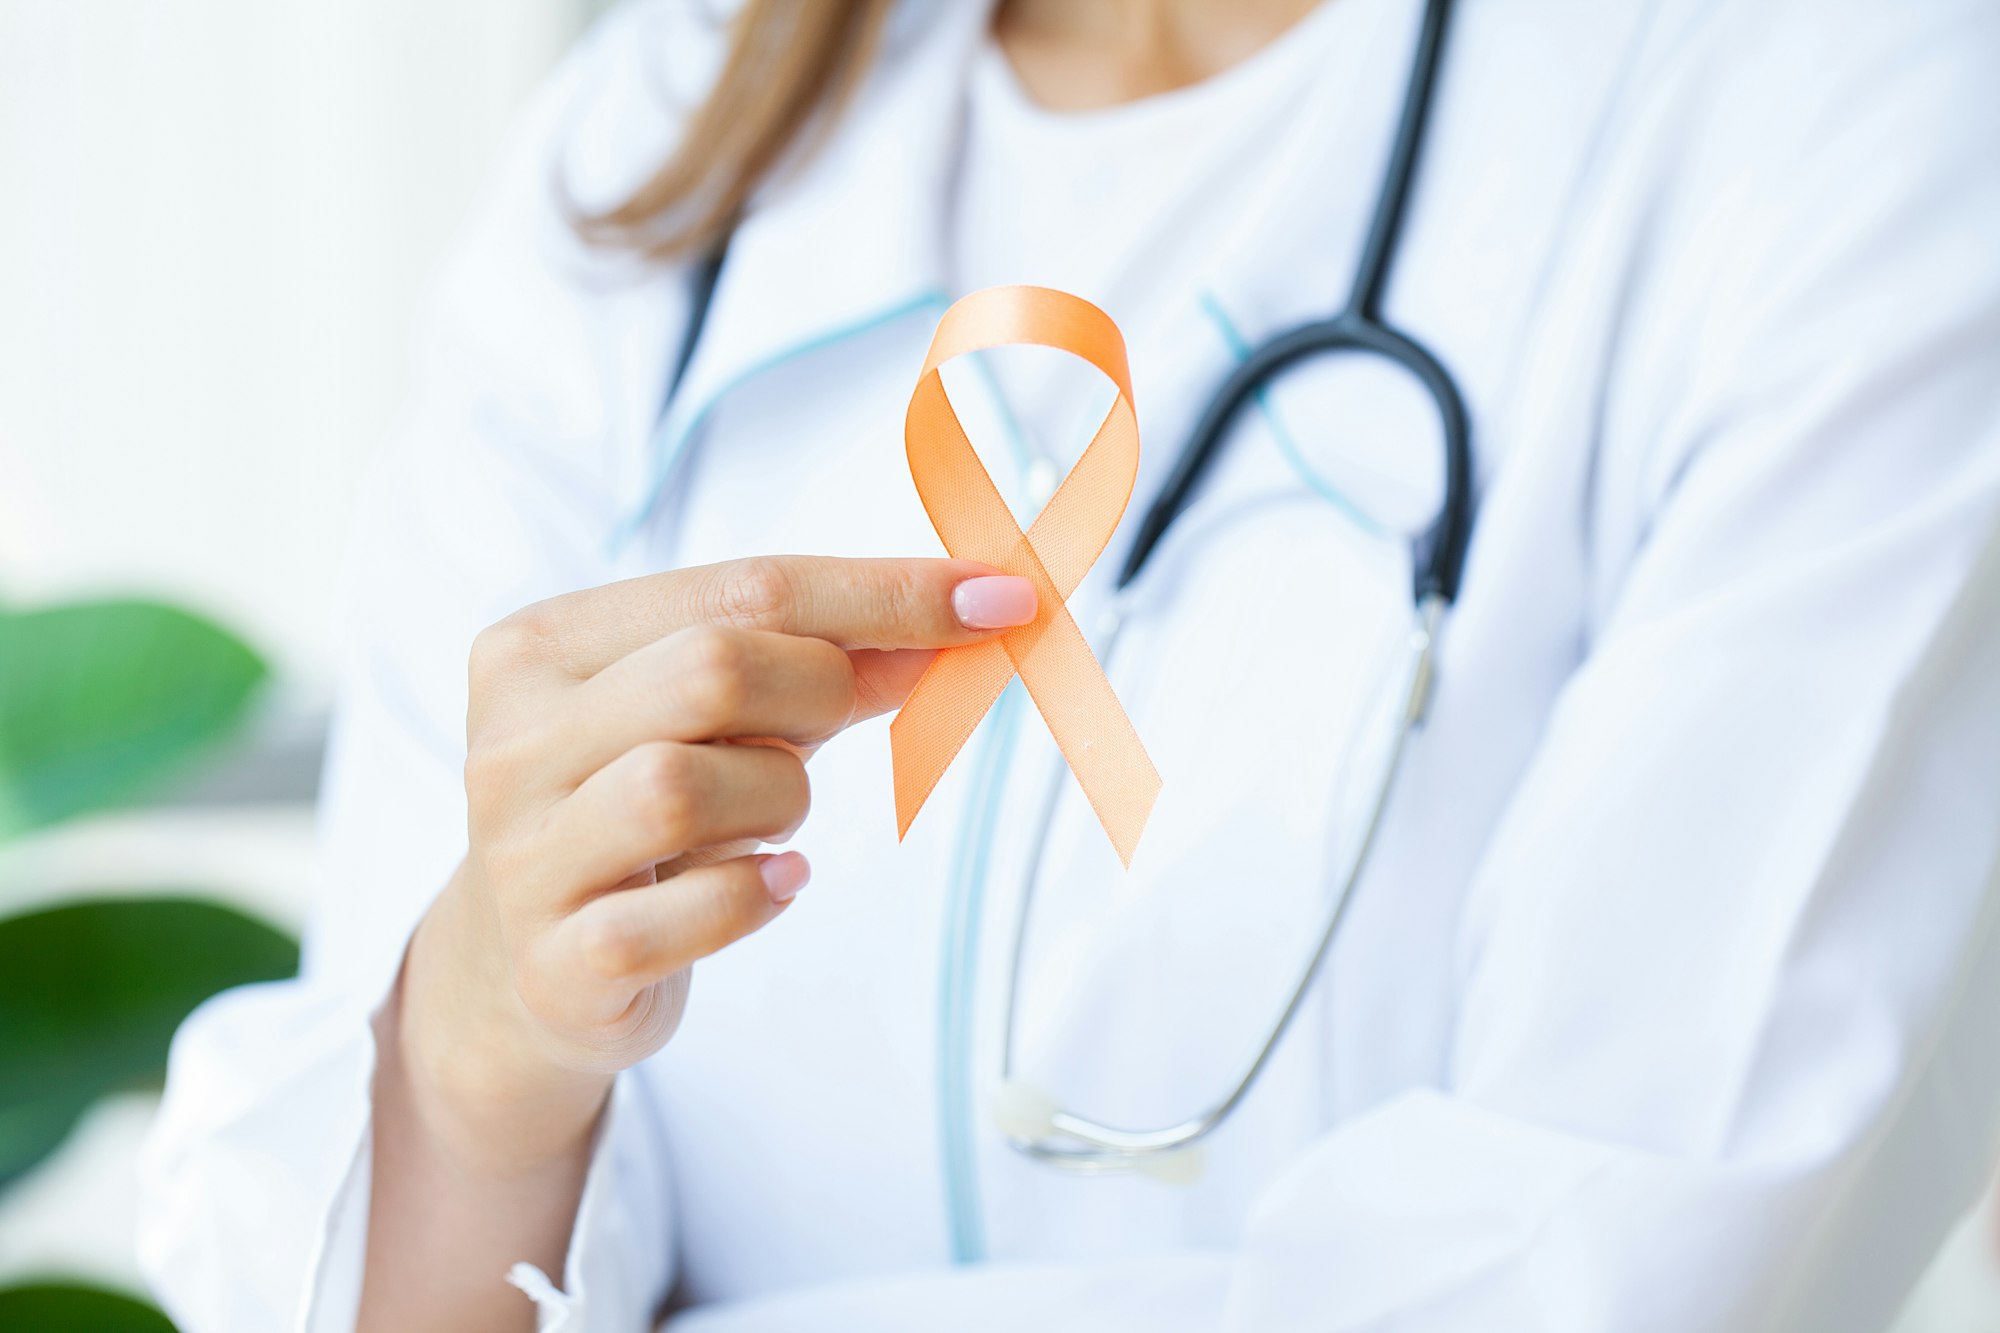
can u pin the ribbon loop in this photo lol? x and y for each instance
(972, 519)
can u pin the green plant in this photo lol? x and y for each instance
(101, 704)
(101, 701)
(90, 995)
(50, 1306)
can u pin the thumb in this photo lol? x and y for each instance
(896, 603)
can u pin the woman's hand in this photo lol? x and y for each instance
(627, 748)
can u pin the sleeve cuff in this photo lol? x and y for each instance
(620, 1260)
(262, 1133)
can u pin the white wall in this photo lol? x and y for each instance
(214, 216)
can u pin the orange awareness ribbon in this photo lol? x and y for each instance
(1049, 653)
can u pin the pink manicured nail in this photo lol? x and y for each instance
(784, 875)
(995, 601)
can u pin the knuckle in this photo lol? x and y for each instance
(507, 647)
(660, 770)
(713, 682)
(755, 593)
(615, 945)
(907, 606)
(667, 792)
(491, 656)
(847, 692)
(797, 801)
(910, 601)
(844, 688)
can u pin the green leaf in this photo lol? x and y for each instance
(99, 701)
(90, 995)
(31, 1128)
(57, 1307)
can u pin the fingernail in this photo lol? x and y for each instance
(784, 875)
(996, 601)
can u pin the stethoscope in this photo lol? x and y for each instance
(1033, 1121)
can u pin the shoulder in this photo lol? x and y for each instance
(602, 121)
(1819, 47)
(1790, 84)
(1806, 154)
(1789, 240)
(615, 108)
(609, 113)
(618, 104)
(535, 355)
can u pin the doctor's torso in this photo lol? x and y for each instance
(1250, 646)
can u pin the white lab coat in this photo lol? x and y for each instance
(1667, 1002)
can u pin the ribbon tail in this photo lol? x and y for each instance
(1090, 727)
(954, 693)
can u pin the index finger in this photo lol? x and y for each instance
(854, 603)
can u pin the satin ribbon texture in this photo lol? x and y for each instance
(1049, 653)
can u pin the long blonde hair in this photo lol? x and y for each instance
(788, 60)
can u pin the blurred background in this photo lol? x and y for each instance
(221, 214)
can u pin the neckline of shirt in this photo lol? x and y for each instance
(1286, 58)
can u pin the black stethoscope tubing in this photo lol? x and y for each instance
(1439, 555)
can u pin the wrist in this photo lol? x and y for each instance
(471, 1069)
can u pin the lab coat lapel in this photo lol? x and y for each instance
(848, 240)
